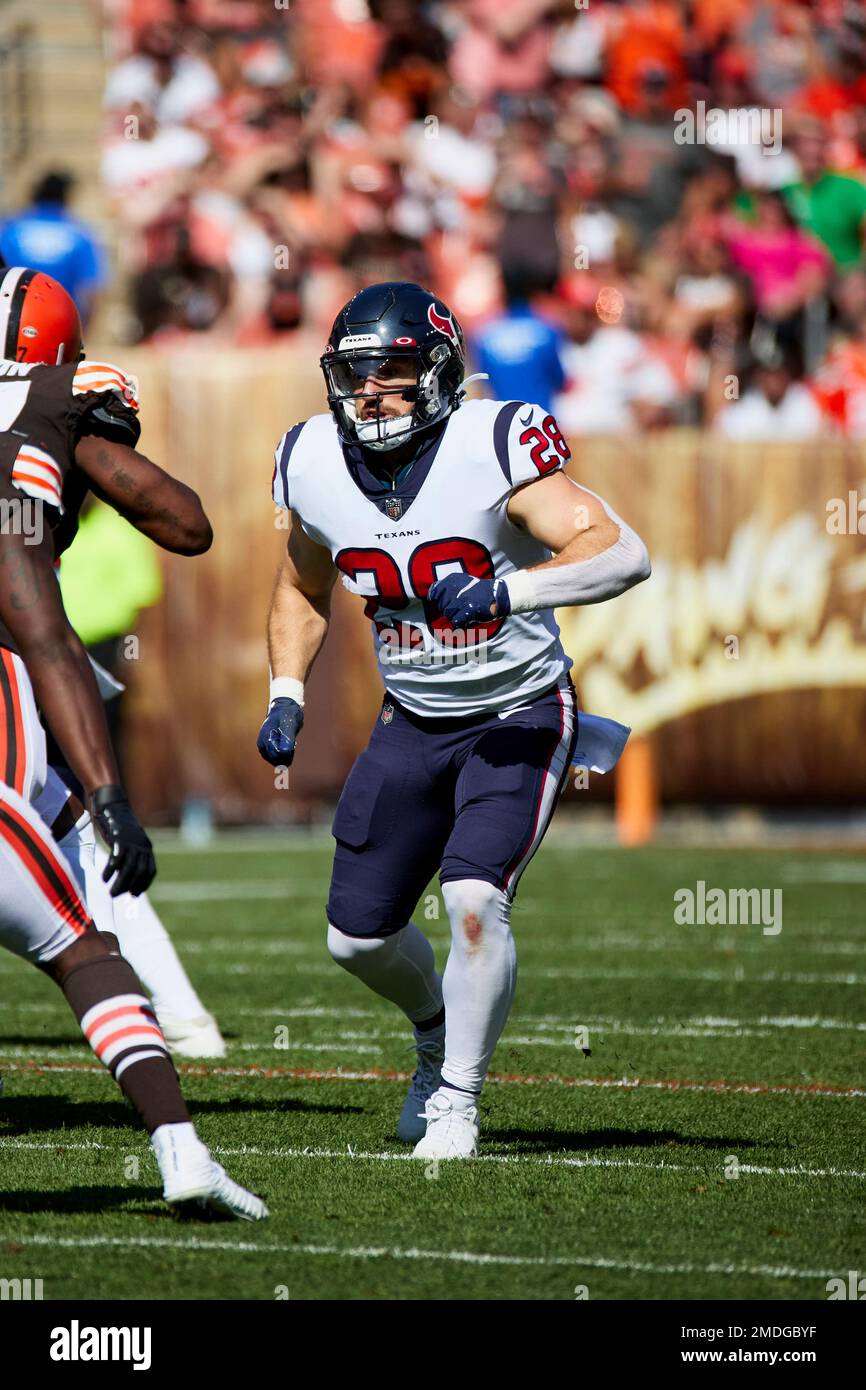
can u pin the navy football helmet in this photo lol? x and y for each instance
(393, 332)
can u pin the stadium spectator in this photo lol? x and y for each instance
(840, 383)
(500, 48)
(174, 85)
(48, 237)
(705, 288)
(615, 384)
(777, 404)
(144, 168)
(831, 205)
(786, 267)
(650, 170)
(284, 157)
(520, 350)
(526, 200)
(645, 57)
(449, 152)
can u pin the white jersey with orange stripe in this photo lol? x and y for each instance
(42, 912)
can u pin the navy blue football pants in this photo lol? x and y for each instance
(471, 797)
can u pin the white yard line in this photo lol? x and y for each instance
(841, 871)
(218, 890)
(195, 1244)
(353, 1042)
(736, 973)
(557, 1021)
(707, 1027)
(405, 1156)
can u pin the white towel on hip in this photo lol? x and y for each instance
(599, 742)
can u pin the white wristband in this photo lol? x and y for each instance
(286, 687)
(521, 591)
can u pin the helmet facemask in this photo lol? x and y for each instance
(416, 377)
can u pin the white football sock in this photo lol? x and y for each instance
(143, 940)
(148, 947)
(78, 845)
(478, 984)
(401, 968)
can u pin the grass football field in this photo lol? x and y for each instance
(710, 1147)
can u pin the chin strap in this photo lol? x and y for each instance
(384, 440)
(476, 376)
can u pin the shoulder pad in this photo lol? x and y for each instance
(527, 442)
(104, 376)
(290, 461)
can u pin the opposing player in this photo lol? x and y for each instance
(43, 917)
(68, 425)
(457, 523)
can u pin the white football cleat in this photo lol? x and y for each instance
(195, 1186)
(430, 1048)
(215, 1195)
(193, 1037)
(452, 1128)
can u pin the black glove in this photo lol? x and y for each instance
(131, 853)
(279, 733)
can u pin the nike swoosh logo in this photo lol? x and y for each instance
(504, 714)
(525, 419)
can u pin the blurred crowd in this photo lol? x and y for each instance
(531, 161)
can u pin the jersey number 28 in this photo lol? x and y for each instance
(426, 564)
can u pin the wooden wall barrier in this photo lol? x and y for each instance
(742, 660)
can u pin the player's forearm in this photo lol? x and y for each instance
(176, 522)
(297, 627)
(600, 563)
(161, 507)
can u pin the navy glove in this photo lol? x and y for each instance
(465, 600)
(279, 733)
(130, 851)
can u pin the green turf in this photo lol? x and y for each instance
(621, 1190)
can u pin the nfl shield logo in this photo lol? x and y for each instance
(387, 714)
(394, 507)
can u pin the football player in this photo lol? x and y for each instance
(458, 524)
(68, 425)
(43, 918)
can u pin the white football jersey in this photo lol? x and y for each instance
(456, 522)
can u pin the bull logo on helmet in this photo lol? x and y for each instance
(444, 323)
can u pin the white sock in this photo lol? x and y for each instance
(78, 845)
(177, 1147)
(478, 984)
(144, 942)
(401, 968)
